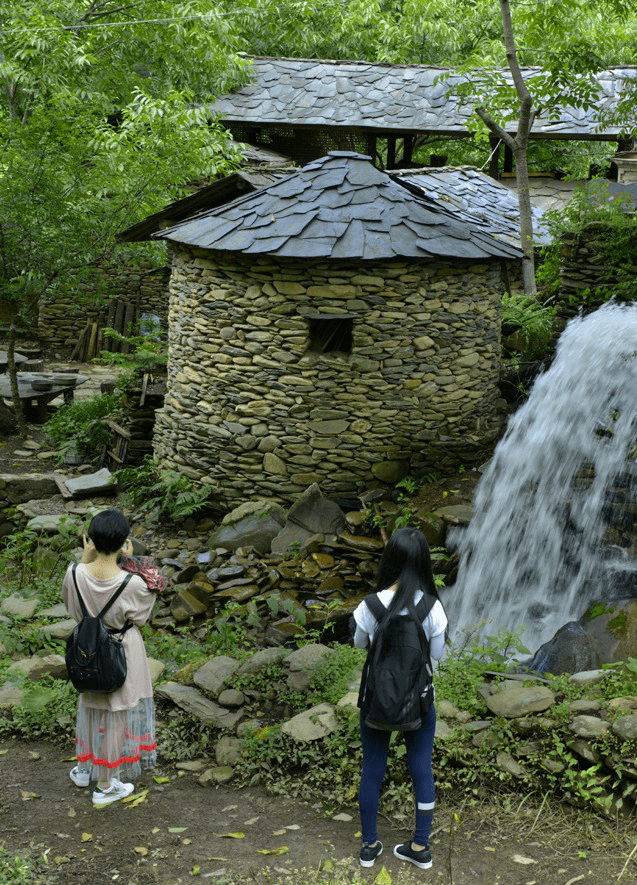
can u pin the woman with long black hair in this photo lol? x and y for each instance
(405, 576)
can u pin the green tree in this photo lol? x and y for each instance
(102, 121)
(563, 37)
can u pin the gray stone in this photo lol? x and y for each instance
(215, 674)
(156, 668)
(52, 522)
(589, 726)
(55, 611)
(228, 750)
(507, 763)
(252, 525)
(312, 724)
(10, 696)
(18, 488)
(443, 731)
(17, 607)
(221, 774)
(99, 483)
(303, 662)
(195, 703)
(349, 700)
(35, 667)
(314, 512)
(232, 698)
(625, 727)
(261, 659)
(518, 700)
(61, 630)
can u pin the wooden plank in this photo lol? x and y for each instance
(92, 342)
(118, 324)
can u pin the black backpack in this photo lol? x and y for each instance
(397, 683)
(95, 660)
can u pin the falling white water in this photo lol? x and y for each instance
(556, 507)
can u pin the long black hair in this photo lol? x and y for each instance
(406, 561)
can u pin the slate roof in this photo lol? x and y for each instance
(341, 207)
(476, 198)
(384, 98)
(217, 193)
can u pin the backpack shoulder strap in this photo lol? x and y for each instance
(115, 595)
(424, 606)
(77, 590)
(375, 606)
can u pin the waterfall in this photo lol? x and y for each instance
(556, 509)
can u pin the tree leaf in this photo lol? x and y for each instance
(281, 849)
(383, 878)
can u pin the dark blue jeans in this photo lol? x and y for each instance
(419, 748)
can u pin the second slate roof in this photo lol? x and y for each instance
(388, 98)
(340, 207)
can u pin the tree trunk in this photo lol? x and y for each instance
(526, 220)
(13, 380)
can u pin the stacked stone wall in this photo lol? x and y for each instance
(251, 409)
(61, 321)
(585, 275)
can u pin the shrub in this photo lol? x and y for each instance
(79, 425)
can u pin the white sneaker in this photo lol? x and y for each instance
(79, 777)
(117, 790)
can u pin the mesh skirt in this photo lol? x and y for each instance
(116, 743)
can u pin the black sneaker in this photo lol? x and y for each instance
(369, 853)
(420, 858)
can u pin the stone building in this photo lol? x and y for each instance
(335, 327)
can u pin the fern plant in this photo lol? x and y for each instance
(533, 319)
(172, 494)
(80, 425)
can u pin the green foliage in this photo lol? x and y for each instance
(20, 869)
(80, 425)
(47, 712)
(329, 768)
(605, 225)
(72, 179)
(334, 673)
(461, 671)
(144, 353)
(184, 737)
(172, 495)
(32, 560)
(534, 320)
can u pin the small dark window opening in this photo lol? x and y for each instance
(329, 334)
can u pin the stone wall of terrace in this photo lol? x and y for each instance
(255, 408)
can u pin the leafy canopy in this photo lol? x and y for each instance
(102, 120)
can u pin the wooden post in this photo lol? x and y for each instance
(391, 152)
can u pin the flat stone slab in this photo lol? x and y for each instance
(193, 702)
(19, 607)
(100, 482)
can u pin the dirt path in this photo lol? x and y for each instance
(180, 832)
